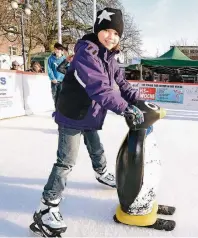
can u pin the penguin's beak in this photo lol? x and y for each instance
(162, 113)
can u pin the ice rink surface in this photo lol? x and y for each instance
(28, 150)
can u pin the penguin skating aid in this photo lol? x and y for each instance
(138, 173)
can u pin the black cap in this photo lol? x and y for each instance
(58, 46)
(109, 18)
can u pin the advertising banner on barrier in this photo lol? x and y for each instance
(169, 95)
(147, 93)
(162, 93)
(11, 95)
(6, 90)
(191, 94)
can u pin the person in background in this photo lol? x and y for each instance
(36, 67)
(175, 77)
(56, 77)
(148, 76)
(15, 66)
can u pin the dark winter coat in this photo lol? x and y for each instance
(62, 68)
(92, 85)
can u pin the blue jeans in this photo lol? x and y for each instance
(56, 88)
(68, 146)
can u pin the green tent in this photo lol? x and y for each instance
(171, 60)
(132, 67)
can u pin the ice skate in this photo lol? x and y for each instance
(48, 221)
(106, 178)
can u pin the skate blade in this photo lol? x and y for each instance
(106, 184)
(34, 231)
(34, 234)
(38, 233)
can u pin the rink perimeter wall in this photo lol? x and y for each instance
(172, 96)
(24, 93)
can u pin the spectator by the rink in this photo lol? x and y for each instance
(15, 66)
(176, 77)
(56, 77)
(36, 68)
(148, 76)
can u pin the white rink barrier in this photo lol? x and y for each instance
(11, 95)
(172, 96)
(37, 93)
(24, 93)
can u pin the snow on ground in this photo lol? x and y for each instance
(28, 150)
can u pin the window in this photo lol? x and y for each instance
(194, 52)
(14, 29)
(185, 51)
(12, 50)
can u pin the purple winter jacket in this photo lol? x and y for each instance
(92, 85)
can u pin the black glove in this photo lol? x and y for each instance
(134, 114)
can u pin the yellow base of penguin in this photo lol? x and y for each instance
(137, 220)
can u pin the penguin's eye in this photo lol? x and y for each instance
(151, 106)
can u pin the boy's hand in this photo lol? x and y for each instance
(54, 81)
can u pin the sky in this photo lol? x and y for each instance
(163, 22)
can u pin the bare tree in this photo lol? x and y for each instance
(181, 42)
(157, 53)
(7, 19)
(131, 41)
(41, 28)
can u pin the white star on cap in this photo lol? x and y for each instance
(105, 15)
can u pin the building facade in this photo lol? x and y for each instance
(10, 48)
(15, 47)
(190, 51)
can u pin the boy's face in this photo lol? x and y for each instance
(58, 52)
(109, 38)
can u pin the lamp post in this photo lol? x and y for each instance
(94, 12)
(24, 6)
(59, 21)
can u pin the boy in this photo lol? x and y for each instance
(56, 78)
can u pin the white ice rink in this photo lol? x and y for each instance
(28, 150)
